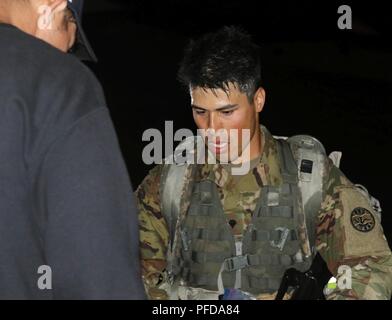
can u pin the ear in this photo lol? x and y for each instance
(46, 12)
(53, 5)
(58, 5)
(259, 99)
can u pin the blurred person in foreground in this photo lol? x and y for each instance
(66, 231)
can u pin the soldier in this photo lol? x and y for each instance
(205, 231)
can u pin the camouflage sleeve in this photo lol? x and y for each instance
(351, 240)
(154, 234)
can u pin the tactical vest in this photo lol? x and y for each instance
(203, 252)
(270, 244)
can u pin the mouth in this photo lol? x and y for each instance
(218, 147)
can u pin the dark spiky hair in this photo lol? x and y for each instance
(228, 56)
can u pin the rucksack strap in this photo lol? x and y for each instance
(172, 184)
(312, 162)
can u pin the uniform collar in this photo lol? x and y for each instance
(267, 172)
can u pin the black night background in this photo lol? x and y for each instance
(329, 83)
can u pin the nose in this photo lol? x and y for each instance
(213, 121)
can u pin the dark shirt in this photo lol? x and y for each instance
(64, 190)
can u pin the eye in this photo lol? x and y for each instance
(200, 112)
(227, 113)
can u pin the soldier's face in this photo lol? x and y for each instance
(218, 113)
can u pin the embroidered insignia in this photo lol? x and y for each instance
(362, 220)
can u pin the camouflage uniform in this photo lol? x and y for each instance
(342, 235)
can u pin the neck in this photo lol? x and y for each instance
(253, 150)
(19, 15)
(256, 149)
(4, 13)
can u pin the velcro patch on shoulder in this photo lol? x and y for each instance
(362, 219)
(363, 232)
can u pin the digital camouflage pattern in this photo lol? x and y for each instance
(338, 241)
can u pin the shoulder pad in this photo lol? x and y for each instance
(306, 142)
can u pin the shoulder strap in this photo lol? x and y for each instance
(307, 155)
(311, 160)
(176, 179)
(172, 184)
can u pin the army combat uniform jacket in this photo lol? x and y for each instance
(348, 231)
